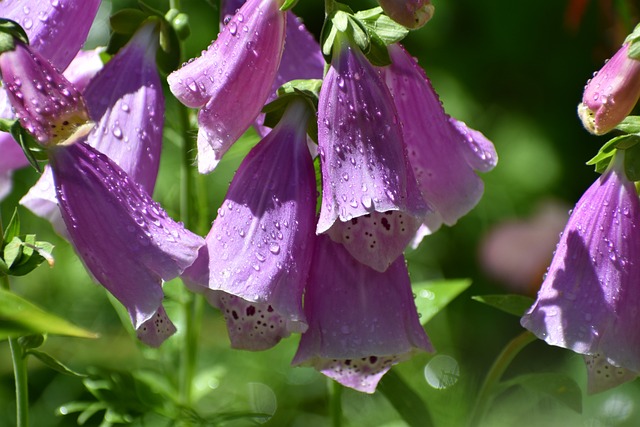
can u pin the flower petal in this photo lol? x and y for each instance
(363, 159)
(443, 153)
(124, 238)
(589, 299)
(233, 77)
(602, 376)
(258, 248)
(57, 29)
(361, 322)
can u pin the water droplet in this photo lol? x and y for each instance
(260, 257)
(117, 132)
(274, 248)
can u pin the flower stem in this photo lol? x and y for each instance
(500, 365)
(335, 403)
(19, 372)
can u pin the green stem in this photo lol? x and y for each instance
(335, 403)
(500, 365)
(19, 372)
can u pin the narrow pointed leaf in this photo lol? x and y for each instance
(512, 304)
(13, 228)
(431, 297)
(54, 363)
(405, 400)
(20, 317)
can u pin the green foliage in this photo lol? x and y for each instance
(512, 304)
(20, 317)
(559, 386)
(405, 400)
(9, 32)
(432, 297)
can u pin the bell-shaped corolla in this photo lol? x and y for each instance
(361, 321)
(256, 260)
(233, 78)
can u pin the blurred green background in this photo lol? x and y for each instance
(513, 70)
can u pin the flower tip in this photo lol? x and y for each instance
(587, 116)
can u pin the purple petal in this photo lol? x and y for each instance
(233, 78)
(602, 376)
(84, 67)
(47, 105)
(12, 158)
(376, 239)
(124, 238)
(443, 153)
(258, 249)
(125, 100)
(57, 29)
(589, 299)
(363, 159)
(361, 322)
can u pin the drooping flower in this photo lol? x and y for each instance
(256, 259)
(410, 13)
(361, 322)
(444, 153)
(47, 105)
(124, 238)
(125, 100)
(57, 30)
(301, 58)
(233, 78)
(611, 94)
(365, 169)
(589, 299)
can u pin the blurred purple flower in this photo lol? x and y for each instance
(444, 152)
(365, 170)
(361, 322)
(589, 300)
(611, 94)
(410, 13)
(257, 255)
(233, 78)
(56, 30)
(125, 100)
(123, 237)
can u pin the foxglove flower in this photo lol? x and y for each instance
(256, 259)
(57, 30)
(361, 322)
(444, 153)
(124, 238)
(611, 94)
(47, 105)
(365, 169)
(410, 13)
(125, 100)
(233, 78)
(301, 58)
(590, 298)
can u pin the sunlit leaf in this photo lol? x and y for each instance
(20, 317)
(431, 297)
(512, 304)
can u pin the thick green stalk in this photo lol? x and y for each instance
(19, 372)
(500, 365)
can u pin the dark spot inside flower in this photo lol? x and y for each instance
(234, 314)
(347, 362)
(354, 221)
(270, 309)
(367, 216)
(385, 223)
(251, 310)
(373, 359)
(65, 123)
(53, 126)
(388, 213)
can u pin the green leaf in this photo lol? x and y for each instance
(9, 32)
(388, 30)
(13, 228)
(602, 159)
(31, 148)
(340, 20)
(632, 163)
(31, 341)
(20, 317)
(431, 297)
(54, 364)
(630, 124)
(378, 53)
(5, 124)
(512, 304)
(127, 21)
(12, 251)
(405, 400)
(559, 386)
(31, 255)
(288, 4)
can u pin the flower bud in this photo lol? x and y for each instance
(410, 13)
(611, 94)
